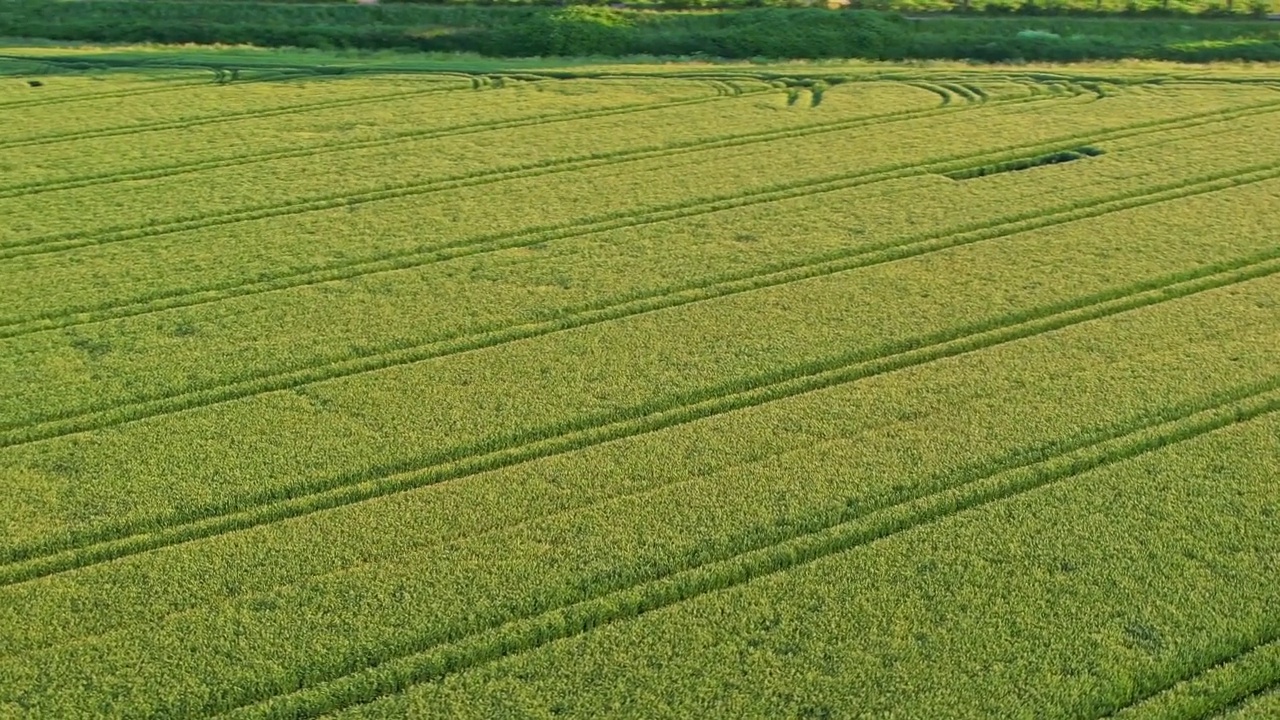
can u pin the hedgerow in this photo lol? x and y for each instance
(1037, 32)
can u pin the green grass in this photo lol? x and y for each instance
(1256, 707)
(995, 30)
(801, 390)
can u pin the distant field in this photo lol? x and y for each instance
(802, 392)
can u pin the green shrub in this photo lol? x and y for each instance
(587, 30)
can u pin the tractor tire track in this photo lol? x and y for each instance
(414, 663)
(86, 238)
(328, 148)
(419, 256)
(939, 482)
(219, 119)
(280, 504)
(277, 75)
(611, 309)
(108, 95)
(1252, 671)
(1244, 701)
(72, 241)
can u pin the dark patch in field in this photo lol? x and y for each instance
(816, 712)
(67, 466)
(317, 400)
(94, 348)
(1057, 158)
(1144, 637)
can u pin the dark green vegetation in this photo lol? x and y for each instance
(1017, 164)
(654, 391)
(600, 31)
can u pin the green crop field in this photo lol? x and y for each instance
(680, 391)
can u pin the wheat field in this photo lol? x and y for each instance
(707, 391)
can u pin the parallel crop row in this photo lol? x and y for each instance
(552, 164)
(608, 309)
(317, 494)
(901, 431)
(223, 117)
(445, 587)
(1216, 686)
(102, 158)
(419, 254)
(594, 135)
(386, 675)
(229, 160)
(639, 392)
(988, 580)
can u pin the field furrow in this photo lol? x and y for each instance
(416, 133)
(385, 676)
(418, 254)
(42, 121)
(371, 384)
(497, 451)
(628, 304)
(1109, 644)
(671, 144)
(814, 520)
(221, 196)
(1216, 687)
